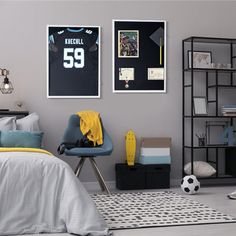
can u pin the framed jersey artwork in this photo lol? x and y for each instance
(73, 61)
(139, 56)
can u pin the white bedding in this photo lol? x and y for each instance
(40, 193)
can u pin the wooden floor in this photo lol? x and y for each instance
(214, 197)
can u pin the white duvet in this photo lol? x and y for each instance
(40, 193)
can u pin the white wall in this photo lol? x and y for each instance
(23, 52)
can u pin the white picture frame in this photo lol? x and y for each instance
(200, 106)
(132, 38)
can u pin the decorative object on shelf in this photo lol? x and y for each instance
(201, 59)
(216, 138)
(130, 147)
(200, 105)
(213, 65)
(221, 66)
(201, 169)
(190, 184)
(136, 44)
(228, 110)
(6, 87)
(201, 139)
(227, 136)
(73, 54)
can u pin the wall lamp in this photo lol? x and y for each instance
(6, 86)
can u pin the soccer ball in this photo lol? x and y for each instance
(190, 184)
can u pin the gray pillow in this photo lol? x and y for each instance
(200, 169)
(7, 123)
(29, 123)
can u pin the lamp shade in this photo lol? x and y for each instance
(6, 86)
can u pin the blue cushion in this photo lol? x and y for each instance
(21, 139)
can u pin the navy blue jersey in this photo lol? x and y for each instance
(73, 62)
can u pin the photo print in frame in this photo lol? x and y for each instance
(128, 43)
(73, 61)
(139, 56)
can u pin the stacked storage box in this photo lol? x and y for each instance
(152, 170)
(155, 151)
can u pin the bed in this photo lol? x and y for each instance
(39, 193)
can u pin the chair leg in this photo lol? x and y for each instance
(99, 176)
(79, 166)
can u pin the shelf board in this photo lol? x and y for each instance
(197, 39)
(210, 70)
(221, 176)
(209, 146)
(222, 86)
(206, 117)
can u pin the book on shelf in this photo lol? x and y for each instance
(229, 113)
(228, 110)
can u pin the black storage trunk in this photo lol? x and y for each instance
(130, 177)
(142, 176)
(157, 176)
(230, 161)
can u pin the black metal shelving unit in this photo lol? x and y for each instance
(189, 44)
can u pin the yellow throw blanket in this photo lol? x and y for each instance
(19, 149)
(90, 125)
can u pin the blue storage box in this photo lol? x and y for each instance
(150, 160)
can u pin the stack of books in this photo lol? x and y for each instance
(155, 151)
(228, 110)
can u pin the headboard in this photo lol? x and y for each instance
(18, 114)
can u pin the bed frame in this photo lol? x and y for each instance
(18, 114)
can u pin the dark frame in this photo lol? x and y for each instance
(152, 55)
(189, 53)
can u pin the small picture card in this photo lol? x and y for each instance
(126, 73)
(155, 73)
(128, 43)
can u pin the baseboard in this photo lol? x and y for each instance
(94, 186)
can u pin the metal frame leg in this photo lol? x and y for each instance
(99, 176)
(79, 166)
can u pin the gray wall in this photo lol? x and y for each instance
(23, 52)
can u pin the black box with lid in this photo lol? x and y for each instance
(130, 177)
(142, 176)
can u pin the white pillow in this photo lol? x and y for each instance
(7, 123)
(200, 169)
(29, 123)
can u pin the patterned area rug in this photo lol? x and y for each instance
(154, 209)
